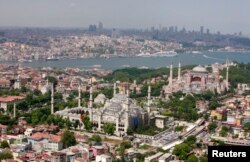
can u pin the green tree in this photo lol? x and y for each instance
(190, 140)
(109, 128)
(247, 126)
(67, 123)
(87, 123)
(96, 138)
(126, 144)
(208, 95)
(68, 139)
(52, 80)
(213, 104)
(24, 89)
(182, 151)
(76, 124)
(221, 143)
(37, 92)
(179, 128)
(212, 126)
(108, 92)
(4, 144)
(203, 159)
(192, 158)
(224, 131)
(6, 155)
(130, 131)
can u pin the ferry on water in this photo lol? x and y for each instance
(52, 58)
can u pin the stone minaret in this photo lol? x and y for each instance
(149, 99)
(52, 98)
(179, 71)
(114, 88)
(17, 84)
(91, 101)
(127, 111)
(14, 115)
(171, 77)
(79, 95)
(227, 82)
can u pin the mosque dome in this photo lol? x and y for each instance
(199, 69)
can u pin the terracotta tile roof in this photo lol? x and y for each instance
(4, 81)
(10, 160)
(40, 136)
(11, 98)
(2, 126)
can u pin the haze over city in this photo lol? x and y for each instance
(216, 15)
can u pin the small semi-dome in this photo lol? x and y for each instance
(199, 69)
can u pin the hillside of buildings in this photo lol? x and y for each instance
(144, 114)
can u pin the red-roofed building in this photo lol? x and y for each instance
(50, 141)
(4, 84)
(58, 157)
(3, 129)
(4, 101)
(9, 160)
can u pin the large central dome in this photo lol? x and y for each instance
(199, 69)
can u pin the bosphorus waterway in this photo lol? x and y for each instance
(150, 62)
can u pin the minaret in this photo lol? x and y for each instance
(114, 89)
(52, 98)
(127, 112)
(14, 115)
(79, 95)
(149, 99)
(91, 97)
(47, 81)
(179, 71)
(127, 99)
(227, 82)
(91, 100)
(17, 83)
(171, 77)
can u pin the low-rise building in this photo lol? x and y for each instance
(3, 129)
(154, 157)
(49, 141)
(103, 158)
(160, 121)
(166, 157)
(58, 157)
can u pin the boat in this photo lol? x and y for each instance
(164, 54)
(196, 52)
(126, 66)
(24, 61)
(96, 66)
(52, 58)
(106, 56)
(147, 54)
(143, 67)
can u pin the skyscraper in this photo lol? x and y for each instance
(208, 31)
(175, 29)
(201, 29)
(100, 26)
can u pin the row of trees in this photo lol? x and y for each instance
(183, 150)
(238, 74)
(68, 139)
(131, 74)
(155, 90)
(181, 109)
(43, 116)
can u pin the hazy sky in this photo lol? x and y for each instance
(228, 16)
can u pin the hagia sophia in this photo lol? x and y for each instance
(197, 80)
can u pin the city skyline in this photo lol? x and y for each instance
(140, 14)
